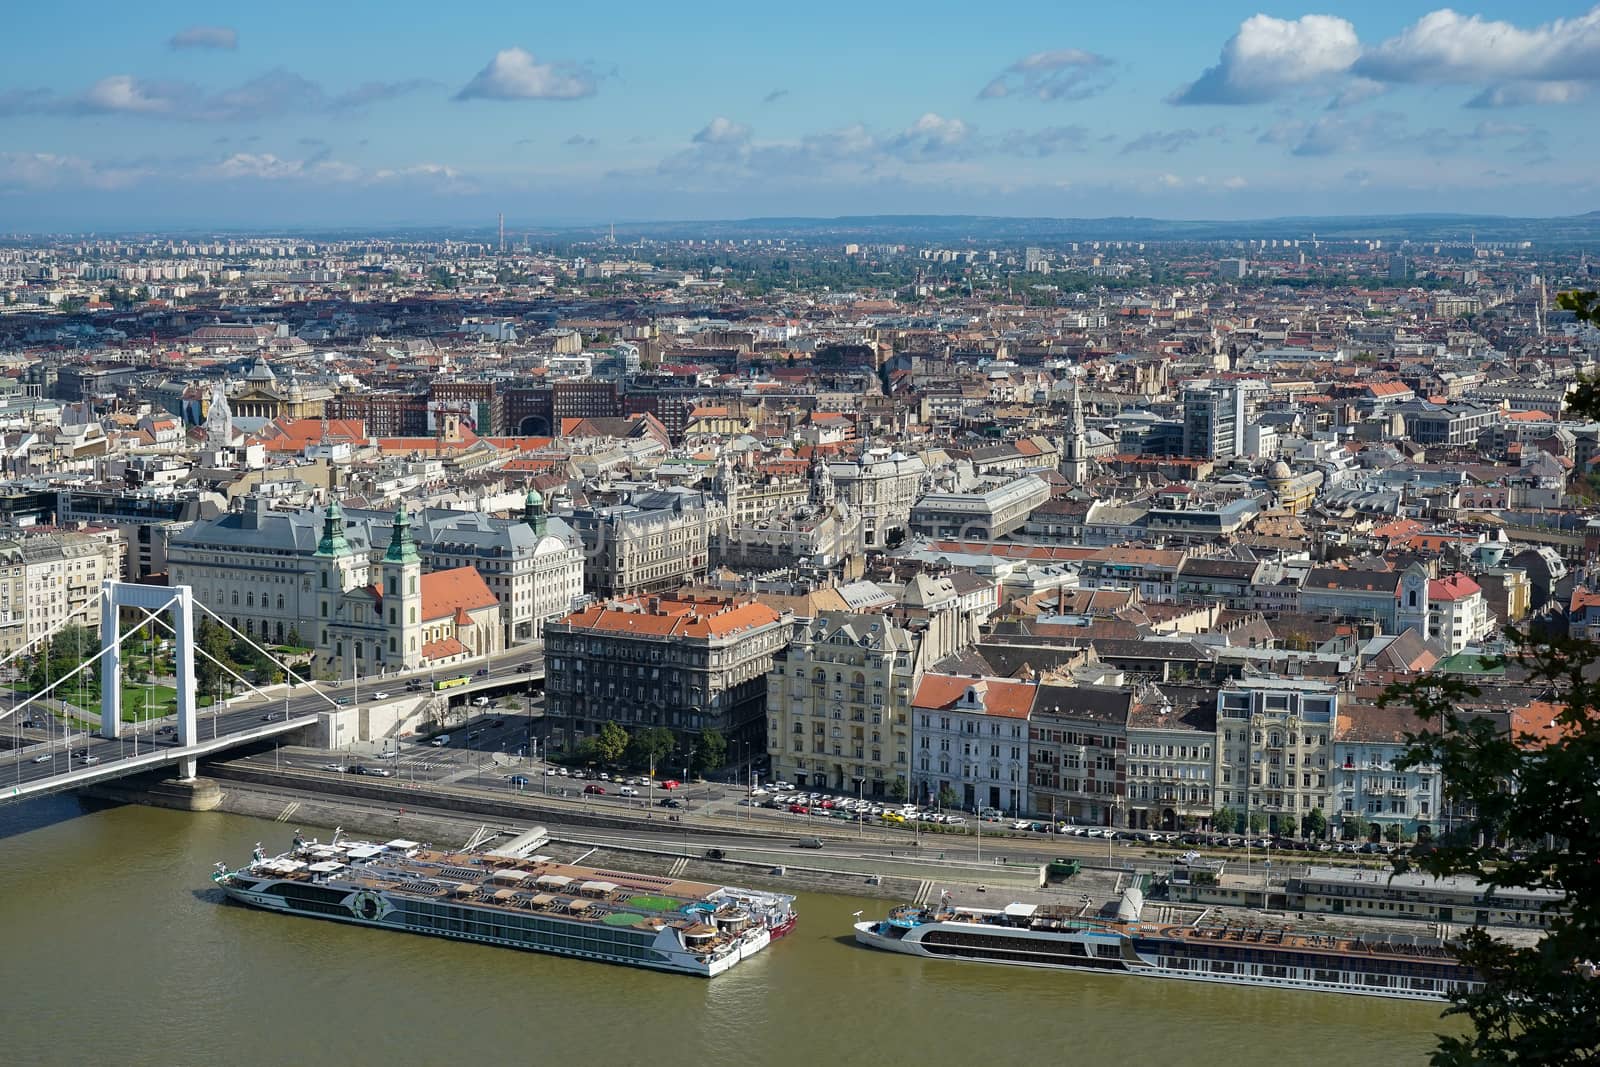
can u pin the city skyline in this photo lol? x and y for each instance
(166, 117)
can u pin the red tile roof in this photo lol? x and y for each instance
(668, 616)
(1455, 587)
(1002, 697)
(444, 593)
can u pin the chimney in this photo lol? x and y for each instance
(653, 605)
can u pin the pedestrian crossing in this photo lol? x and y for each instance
(678, 867)
(288, 811)
(924, 891)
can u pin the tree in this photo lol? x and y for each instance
(611, 742)
(948, 798)
(292, 639)
(649, 747)
(1356, 828)
(1535, 1005)
(1224, 820)
(1315, 824)
(898, 791)
(1258, 822)
(712, 751)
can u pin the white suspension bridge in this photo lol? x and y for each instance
(60, 756)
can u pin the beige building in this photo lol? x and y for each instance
(51, 578)
(839, 705)
(1274, 741)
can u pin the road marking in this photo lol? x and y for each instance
(678, 867)
(288, 810)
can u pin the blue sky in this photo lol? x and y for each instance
(173, 114)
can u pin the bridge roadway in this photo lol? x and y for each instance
(52, 763)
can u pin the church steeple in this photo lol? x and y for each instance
(402, 546)
(334, 542)
(1075, 463)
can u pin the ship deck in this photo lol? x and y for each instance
(1247, 934)
(539, 885)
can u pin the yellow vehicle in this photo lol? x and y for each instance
(894, 817)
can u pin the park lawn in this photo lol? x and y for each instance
(163, 700)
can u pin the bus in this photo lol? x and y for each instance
(450, 683)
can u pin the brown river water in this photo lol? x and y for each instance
(115, 949)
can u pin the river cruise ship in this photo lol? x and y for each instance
(643, 920)
(1035, 935)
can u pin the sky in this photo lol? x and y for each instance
(355, 114)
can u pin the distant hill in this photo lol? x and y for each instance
(984, 229)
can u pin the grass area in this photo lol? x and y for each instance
(159, 699)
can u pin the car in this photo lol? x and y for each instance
(671, 783)
(337, 767)
(380, 695)
(518, 781)
(604, 777)
(413, 685)
(88, 760)
(669, 802)
(380, 772)
(483, 672)
(799, 809)
(481, 702)
(524, 668)
(954, 820)
(893, 817)
(440, 741)
(809, 842)
(1021, 824)
(596, 790)
(356, 769)
(343, 702)
(266, 718)
(474, 735)
(497, 724)
(562, 771)
(627, 791)
(42, 759)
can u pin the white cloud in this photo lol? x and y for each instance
(205, 37)
(264, 165)
(275, 93)
(1268, 58)
(1524, 94)
(124, 93)
(1445, 46)
(1234, 182)
(514, 74)
(45, 170)
(1062, 74)
(931, 135)
(722, 131)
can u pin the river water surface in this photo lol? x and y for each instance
(115, 949)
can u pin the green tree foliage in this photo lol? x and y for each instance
(1315, 824)
(611, 742)
(649, 748)
(1225, 821)
(1535, 1006)
(898, 791)
(1258, 822)
(711, 752)
(1356, 827)
(70, 646)
(948, 798)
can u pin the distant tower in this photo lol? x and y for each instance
(219, 419)
(1412, 611)
(502, 218)
(1075, 464)
(533, 512)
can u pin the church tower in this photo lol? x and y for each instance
(1075, 463)
(338, 570)
(400, 581)
(1412, 611)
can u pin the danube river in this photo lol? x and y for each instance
(116, 950)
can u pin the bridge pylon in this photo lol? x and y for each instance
(178, 601)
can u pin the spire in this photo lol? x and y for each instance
(334, 542)
(402, 546)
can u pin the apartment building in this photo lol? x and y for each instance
(971, 736)
(1275, 748)
(686, 663)
(839, 706)
(51, 577)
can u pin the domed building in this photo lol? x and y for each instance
(1293, 493)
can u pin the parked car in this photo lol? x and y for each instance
(597, 790)
(799, 809)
